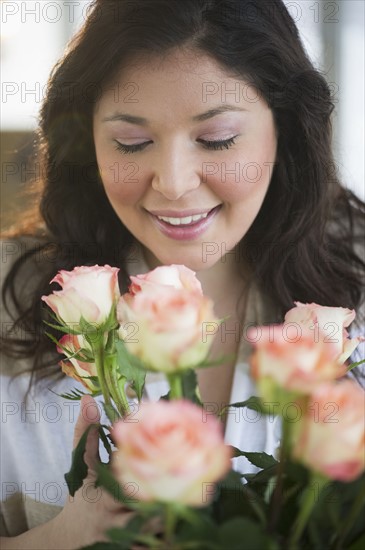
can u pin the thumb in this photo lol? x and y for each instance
(89, 414)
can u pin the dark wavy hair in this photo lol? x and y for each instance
(302, 244)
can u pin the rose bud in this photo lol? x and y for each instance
(88, 293)
(330, 438)
(327, 324)
(288, 359)
(73, 346)
(170, 312)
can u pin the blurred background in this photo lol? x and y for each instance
(34, 35)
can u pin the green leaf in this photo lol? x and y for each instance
(353, 365)
(254, 403)
(106, 479)
(237, 499)
(202, 534)
(131, 367)
(133, 526)
(192, 516)
(125, 536)
(105, 440)
(359, 544)
(232, 480)
(92, 378)
(261, 460)
(61, 328)
(190, 385)
(111, 412)
(82, 354)
(78, 472)
(75, 394)
(239, 533)
(92, 333)
(263, 476)
(122, 536)
(54, 340)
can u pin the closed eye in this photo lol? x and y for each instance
(218, 145)
(134, 148)
(214, 145)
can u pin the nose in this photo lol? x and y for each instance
(175, 173)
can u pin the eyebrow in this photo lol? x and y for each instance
(132, 119)
(217, 111)
(126, 118)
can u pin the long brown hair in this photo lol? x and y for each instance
(301, 246)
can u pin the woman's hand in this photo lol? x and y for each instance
(86, 516)
(92, 511)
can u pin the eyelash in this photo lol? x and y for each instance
(218, 145)
(131, 148)
(211, 145)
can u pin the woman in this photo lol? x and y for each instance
(193, 132)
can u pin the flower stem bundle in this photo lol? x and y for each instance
(174, 456)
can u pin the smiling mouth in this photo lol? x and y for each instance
(185, 220)
(188, 220)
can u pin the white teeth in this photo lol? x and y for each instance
(183, 221)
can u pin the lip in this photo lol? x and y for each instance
(181, 213)
(184, 232)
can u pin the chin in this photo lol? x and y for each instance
(194, 261)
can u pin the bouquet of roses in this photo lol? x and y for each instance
(168, 461)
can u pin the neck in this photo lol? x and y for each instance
(223, 282)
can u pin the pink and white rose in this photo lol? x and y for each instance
(169, 312)
(72, 346)
(171, 453)
(290, 360)
(331, 437)
(176, 276)
(327, 324)
(87, 293)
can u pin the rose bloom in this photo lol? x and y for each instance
(291, 360)
(327, 324)
(176, 276)
(169, 311)
(331, 437)
(87, 292)
(171, 453)
(77, 369)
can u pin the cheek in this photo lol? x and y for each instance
(247, 172)
(237, 180)
(123, 181)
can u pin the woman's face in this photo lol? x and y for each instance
(186, 154)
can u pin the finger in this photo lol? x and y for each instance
(89, 414)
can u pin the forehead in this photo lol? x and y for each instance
(178, 80)
(175, 64)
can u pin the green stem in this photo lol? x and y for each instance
(170, 522)
(123, 404)
(276, 500)
(115, 386)
(111, 385)
(350, 519)
(308, 502)
(98, 350)
(176, 388)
